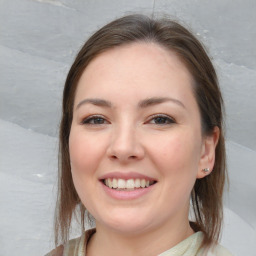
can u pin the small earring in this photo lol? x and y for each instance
(206, 170)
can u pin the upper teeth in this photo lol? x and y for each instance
(127, 184)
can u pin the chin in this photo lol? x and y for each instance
(126, 222)
(128, 228)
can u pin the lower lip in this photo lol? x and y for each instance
(126, 195)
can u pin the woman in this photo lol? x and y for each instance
(141, 139)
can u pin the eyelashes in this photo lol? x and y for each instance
(158, 119)
(94, 120)
(161, 119)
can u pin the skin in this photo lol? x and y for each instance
(129, 138)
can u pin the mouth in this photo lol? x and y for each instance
(127, 185)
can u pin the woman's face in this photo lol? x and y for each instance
(136, 146)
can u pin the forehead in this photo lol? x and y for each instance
(138, 66)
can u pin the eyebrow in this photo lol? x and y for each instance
(142, 104)
(157, 100)
(96, 102)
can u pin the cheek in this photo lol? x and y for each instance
(178, 154)
(177, 163)
(85, 151)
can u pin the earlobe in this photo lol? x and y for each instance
(207, 159)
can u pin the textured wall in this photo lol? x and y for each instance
(38, 41)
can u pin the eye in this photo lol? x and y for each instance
(161, 120)
(94, 120)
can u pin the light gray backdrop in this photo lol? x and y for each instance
(38, 41)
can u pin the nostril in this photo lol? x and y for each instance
(123, 158)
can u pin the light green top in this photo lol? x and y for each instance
(191, 247)
(188, 247)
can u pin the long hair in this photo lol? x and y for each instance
(206, 196)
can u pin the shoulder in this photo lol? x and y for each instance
(56, 252)
(70, 248)
(219, 250)
(75, 246)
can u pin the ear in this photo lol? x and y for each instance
(207, 158)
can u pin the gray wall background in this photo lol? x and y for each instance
(38, 41)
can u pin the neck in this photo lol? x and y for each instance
(151, 242)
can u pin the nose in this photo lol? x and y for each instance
(125, 145)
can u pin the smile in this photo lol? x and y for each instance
(127, 185)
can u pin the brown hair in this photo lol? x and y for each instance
(206, 196)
